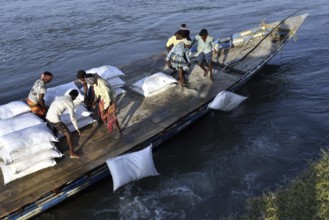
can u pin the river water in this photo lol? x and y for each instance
(210, 169)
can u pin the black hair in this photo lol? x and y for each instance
(203, 32)
(74, 93)
(47, 73)
(81, 74)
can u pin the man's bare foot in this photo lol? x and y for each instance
(75, 156)
(181, 83)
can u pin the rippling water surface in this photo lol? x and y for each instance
(209, 170)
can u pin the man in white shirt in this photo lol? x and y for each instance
(56, 109)
(205, 48)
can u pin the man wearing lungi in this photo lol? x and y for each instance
(105, 95)
(35, 99)
(178, 58)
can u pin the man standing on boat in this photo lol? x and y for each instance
(172, 41)
(185, 32)
(56, 109)
(88, 79)
(35, 99)
(205, 49)
(105, 96)
(178, 58)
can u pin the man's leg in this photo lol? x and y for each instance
(208, 58)
(181, 78)
(112, 113)
(210, 71)
(200, 63)
(70, 143)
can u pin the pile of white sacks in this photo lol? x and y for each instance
(112, 75)
(26, 142)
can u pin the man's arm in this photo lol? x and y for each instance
(70, 108)
(41, 101)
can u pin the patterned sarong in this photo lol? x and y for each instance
(37, 109)
(178, 62)
(109, 117)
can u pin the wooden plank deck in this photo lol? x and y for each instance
(141, 118)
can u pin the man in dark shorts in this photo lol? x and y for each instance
(205, 49)
(56, 109)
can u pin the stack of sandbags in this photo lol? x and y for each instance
(12, 109)
(81, 114)
(61, 90)
(154, 84)
(28, 147)
(112, 75)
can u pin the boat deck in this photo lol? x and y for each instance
(141, 118)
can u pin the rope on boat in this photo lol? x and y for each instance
(268, 34)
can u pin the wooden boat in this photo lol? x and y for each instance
(146, 120)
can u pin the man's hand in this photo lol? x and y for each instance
(79, 132)
(169, 64)
(93, 105)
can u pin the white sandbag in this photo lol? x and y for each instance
(26, 137)
(82, 122)
(12, 109)
(79, 111)
(132, 166)
(106, 72)
(9, 175)
(116, 82)
(18, 122)
(61, 90)
(27, 162)
(226, 101)
(8, 158)
(154, 84)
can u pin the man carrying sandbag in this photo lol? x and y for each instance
(56, 109)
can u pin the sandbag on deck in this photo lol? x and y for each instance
(9, 175)
(26, 152)
(18, 122)
(25, 138)
(12, 109)
(154, 84)
(107, 72)
(61, 90)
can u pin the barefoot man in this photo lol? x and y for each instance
(56, 109)
(178, 59)
(205, 48)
